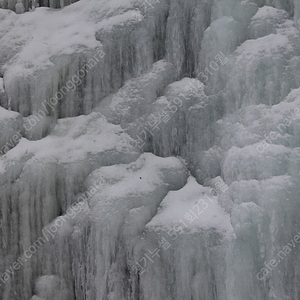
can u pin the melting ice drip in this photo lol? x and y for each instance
(190, 118)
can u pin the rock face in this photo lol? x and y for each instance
(150, 150)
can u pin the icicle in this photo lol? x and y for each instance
(20, 9)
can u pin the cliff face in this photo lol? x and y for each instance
(150, 150)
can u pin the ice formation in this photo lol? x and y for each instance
(20, 6)
(149, 149)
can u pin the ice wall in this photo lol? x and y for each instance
(11, 130)
(99, 47)
(297, 12)
(38, 187)
(214, 84)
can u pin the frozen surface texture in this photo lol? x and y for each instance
(20, 6)
(150, 150)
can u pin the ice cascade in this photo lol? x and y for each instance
(149, 150)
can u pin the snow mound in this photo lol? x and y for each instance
(193, 205)
(74, 139)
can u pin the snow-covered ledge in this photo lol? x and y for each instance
(21, 6)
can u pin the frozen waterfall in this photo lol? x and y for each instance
(149, 150)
